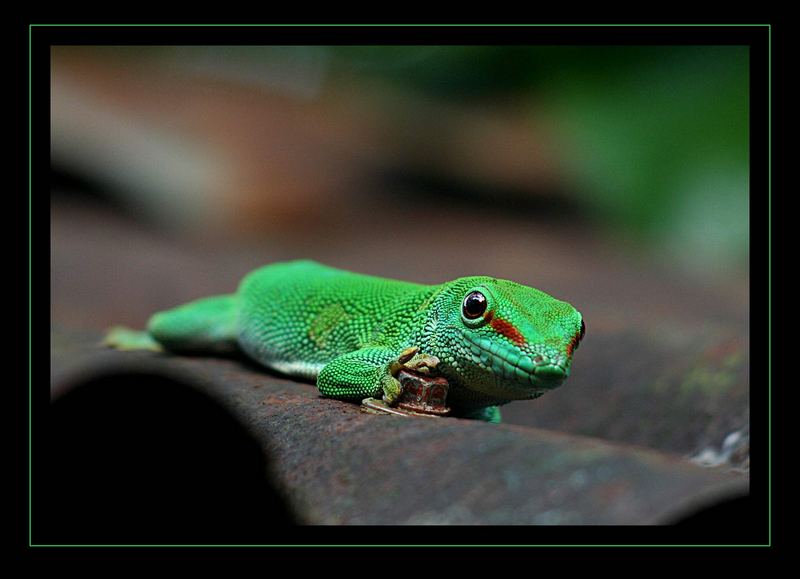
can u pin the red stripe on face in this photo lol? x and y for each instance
(573, 343)
(508, 330)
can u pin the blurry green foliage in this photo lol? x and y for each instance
(656, 137)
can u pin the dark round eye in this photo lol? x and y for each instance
(583, 331)
(474, 305)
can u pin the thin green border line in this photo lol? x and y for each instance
(334, 545)
(769, 297)
(769, 340)
(30, 299)
(471, 25)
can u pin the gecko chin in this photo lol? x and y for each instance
(549, 377)
(536, 383)
(527, 386)
(526, 374)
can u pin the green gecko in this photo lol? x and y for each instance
(493, 340)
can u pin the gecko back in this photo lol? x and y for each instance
(297, 316)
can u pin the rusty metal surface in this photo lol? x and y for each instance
(338, 465)
(661, 377)
(682, 393)
(665, 363)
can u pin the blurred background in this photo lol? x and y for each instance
(615, 178)
(648, 145)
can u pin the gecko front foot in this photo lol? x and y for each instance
(422, 364)
(410, 389)
(411, 359)
(421, 396)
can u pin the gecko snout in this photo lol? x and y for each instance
(550, 375)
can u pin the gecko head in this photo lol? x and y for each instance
(507, 339)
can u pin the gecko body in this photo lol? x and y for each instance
(493, 340)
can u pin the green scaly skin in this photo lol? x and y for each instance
(352, 333)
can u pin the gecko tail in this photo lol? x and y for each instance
(124, 338)
(205, 325)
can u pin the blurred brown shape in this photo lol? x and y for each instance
(203, 151)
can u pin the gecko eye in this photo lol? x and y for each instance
(474, 305)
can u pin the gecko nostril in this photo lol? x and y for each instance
(539, 359)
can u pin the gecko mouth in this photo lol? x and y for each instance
(511, 365)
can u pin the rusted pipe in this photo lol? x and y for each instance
(337, 465)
